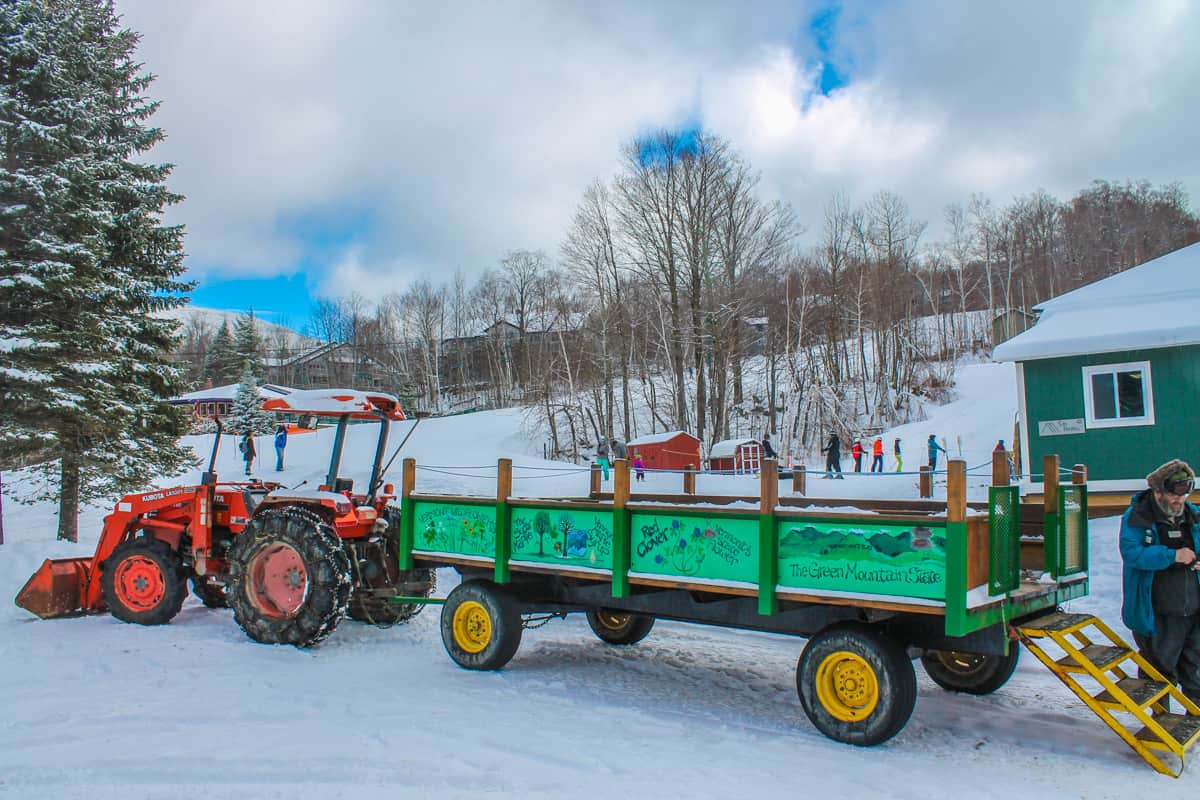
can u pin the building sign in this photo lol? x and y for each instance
(1060, 427)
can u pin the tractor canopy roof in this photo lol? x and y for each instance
(337, 402)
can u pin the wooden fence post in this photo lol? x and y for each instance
(1000, 476)
(925, 481)
(594, 482)
(689, 479)
(622, 535)
(799, 479)
(503, 518)
(1078, 477)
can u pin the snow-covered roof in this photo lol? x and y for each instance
(229, 392)
(1151, 305)
(727, 448)
(335, 402)
(656, 438)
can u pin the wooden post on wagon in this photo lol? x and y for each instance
(1000, 475)
(503, 519)
(405, 538)
(799, 479)
(1078, 477)
(956, 491)
(689, 479)
(768, 541)
(925, 481)
(1050, 515)
(622, 535)
(594, 482)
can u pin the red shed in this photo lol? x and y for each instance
(670, 450)
(735, 455)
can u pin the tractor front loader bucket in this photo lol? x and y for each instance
(58, 588)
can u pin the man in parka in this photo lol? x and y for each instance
(1161, 589)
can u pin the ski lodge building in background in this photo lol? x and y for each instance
(1109, 376)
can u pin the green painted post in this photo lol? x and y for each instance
(1051, 546)
(405, 538)
(768, 539)
(957, 623)
(503, 519)
(620, 527)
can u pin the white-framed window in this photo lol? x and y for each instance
(1118, 395)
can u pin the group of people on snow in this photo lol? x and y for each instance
(250, 452)
(833, 454)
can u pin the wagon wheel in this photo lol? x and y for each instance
(968, 672)
(481, 626)
(619, 627)
(856, 684)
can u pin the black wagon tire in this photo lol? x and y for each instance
(481, 626)
(968, 672)
(856, 684)
(143, 581)
(289, 578)
(619, 627)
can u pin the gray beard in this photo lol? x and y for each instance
(1172, 518)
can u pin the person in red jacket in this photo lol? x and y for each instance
(877, 452)
(857, 452)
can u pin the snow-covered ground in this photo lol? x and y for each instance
(92, 707)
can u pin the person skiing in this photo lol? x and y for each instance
(833, 459)
(767, 450)
(934, 447)
(280, 443)
(877, 452)
(857, 452)
(896, 453)
(602, 456)
(247, 448)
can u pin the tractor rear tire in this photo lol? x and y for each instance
(143, 581)
(856, 684)
(481, 626)
(289, 578)
(619, 627)
(970, 673)
(211, 595)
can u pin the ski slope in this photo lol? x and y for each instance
(92, 707)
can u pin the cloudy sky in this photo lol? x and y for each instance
(336, 147)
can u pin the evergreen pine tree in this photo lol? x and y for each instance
(247, 414)
(248, 345)
(84, 375)
(221, 362)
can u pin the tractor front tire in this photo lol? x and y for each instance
(143, 581)
(856, 684)
(289, 578)
(481, 626)
(619, 627)
(970, 673)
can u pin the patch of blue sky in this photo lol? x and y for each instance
(277, 299)
(823, 28)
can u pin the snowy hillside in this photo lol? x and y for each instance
(96, 708)
(211, 319)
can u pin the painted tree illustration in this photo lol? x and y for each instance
(541, 524)
(564, 525)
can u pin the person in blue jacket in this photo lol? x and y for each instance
(280, 443)
(934, 447)
(1161, 586)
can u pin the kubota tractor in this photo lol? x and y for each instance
(290, 562)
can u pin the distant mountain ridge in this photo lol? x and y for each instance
(211, 319)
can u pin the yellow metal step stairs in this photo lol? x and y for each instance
(1091, 650)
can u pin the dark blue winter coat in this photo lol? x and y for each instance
(281, 439)
(1143, 557)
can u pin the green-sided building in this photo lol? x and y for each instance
(1109, 376)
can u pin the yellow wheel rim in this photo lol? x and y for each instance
(613, 620)
(472, 627)
(847, 686)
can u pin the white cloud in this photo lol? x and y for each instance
(466, 131)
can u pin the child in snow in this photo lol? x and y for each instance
(877, 453)
(247, 448)
(857, 452)
(639, 468)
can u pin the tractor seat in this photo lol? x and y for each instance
(345, 485)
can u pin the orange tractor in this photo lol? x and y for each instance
(290, 562)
